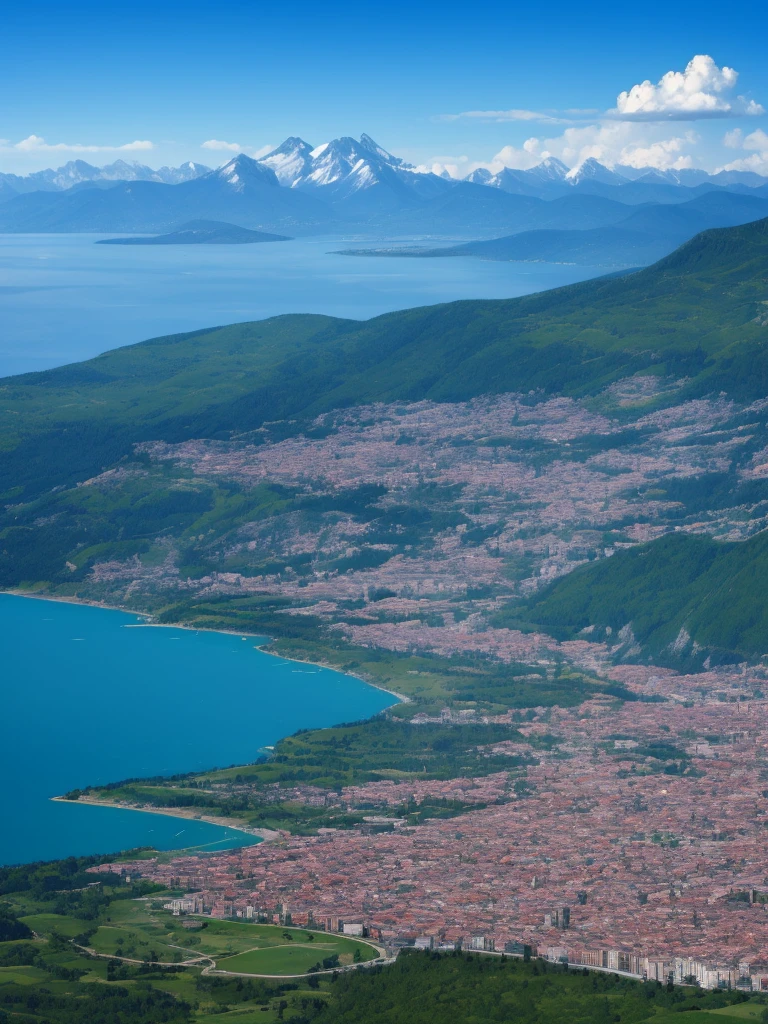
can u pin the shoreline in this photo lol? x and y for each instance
(265, 835)
(261, 834)
(401, 697)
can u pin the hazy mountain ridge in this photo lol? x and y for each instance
(649, 233)
(347, 184)
(78, 172)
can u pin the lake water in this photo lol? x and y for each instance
(85, 698)
(63, 298)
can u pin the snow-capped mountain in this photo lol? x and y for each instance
(176, 175)
(291, 161)
(241, 172)
(592, 170)
(346, 184)
(78, 172)
(550, 169)
(360, 174)
(480, 176)
(547, 179)
(344, 160)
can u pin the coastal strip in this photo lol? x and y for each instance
(263, 646)
(264, 834)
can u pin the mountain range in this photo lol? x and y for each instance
(78, 173)
(351, 185)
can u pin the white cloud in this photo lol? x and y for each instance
(756, 140)
(733, 139)
(698, 92)
(614, 143)
(611, 143)
(262, 151)
(501, 116)
(233, 147)
(521, 159)
(36, 144)
(756, 144)
(664, 155)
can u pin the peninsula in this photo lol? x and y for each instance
(200, 232)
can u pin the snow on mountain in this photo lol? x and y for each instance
(550, 169)
(334, 161)
(241, 172)
(481, 176)
(688, 177)
(592, 170)
(185, 172)
(290, 161)
(340, 167)
(78, 172)
(546, 180)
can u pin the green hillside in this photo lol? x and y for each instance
(717, 593)
(701, 314)
(430, 988)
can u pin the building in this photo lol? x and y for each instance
(560, 918)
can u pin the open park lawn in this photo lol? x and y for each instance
(139, 930)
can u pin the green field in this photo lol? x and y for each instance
(725, 1015)
(138, 932)
(744, 1011)
(45, 923)
(296, 958)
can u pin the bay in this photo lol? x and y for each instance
(63, 298)
(90, 695)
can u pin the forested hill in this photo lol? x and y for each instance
(701, 313)
(681, 599)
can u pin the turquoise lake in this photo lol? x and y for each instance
(90, 695)
(64, 298)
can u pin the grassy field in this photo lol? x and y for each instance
(744, 1011)
(296, 957)
(137, 931)
(45, 923)
(725, 1015)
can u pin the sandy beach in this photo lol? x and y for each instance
(188, 813)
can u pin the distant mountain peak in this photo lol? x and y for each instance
(592, 170)
(242, 170)
(290, 160)
(342, 163)
(550, 168)
(480, 176)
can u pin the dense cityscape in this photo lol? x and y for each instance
(647, 821)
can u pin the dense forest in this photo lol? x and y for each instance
(683, 598)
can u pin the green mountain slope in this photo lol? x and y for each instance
(686, 598)
(700, 313)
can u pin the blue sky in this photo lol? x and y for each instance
(178, 75)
